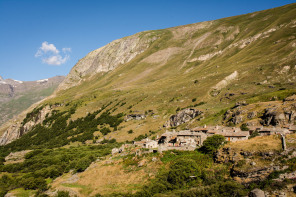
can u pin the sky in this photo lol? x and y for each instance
(40, 39)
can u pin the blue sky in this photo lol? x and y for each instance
(44, 38)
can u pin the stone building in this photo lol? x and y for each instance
(146, 143)
(182, 140)
(231, 134)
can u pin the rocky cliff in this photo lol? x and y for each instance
(108, 57)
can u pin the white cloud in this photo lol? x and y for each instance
(49, 54)
(55, 60)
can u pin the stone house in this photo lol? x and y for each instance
(146, 143)
(182, 140)
(231, 134)
(263, 131)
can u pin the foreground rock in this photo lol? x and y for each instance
(257, 193)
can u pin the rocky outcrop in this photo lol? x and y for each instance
(18, 129)
(226, 155)
(182, 116)
(273, 113)
(16, 157)
(135, 117)
(278, 117)
(108, 57)
(256, 193)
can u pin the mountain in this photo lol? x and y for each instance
(237, 71)
(209, 66)
(16, 96)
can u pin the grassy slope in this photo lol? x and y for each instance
(166, 84)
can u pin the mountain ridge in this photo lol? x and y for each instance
(16, 96)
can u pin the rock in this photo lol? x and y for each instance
(182, 116)
(17, 130)
(16, 157)
(282, 194)
(241, 103)
(142, 163)
(256, 193)
(115, 151)
(291, 98)
(253, 163)
(154, 159)
(252, 114)
(108, 58)
(277, 117)
(237, 119)
(135, 117)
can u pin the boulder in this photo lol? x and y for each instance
(142, 163)
(256, 193)
(252, 114)
(135, 117)
(182, 116)
(237, 119)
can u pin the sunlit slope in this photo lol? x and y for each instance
(243, 56)
(209, 65)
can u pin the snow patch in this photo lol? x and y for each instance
(42, 80)
(18, 81)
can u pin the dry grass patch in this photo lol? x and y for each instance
(291, 140)
(105, 178)
(258, 144)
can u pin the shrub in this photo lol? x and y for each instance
(194, 99)
(183, 173)
(82, 164)
(63, 194)
(130, 131)
(244, 127)
(212, 144)
(105, 131)
(254, 134)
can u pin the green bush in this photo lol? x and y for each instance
(63, 194)
(105, 131)
(244, 127)
(212, 144)
(254, 134)
(130, 131)
(183, 173)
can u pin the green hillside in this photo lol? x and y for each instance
(208, 66)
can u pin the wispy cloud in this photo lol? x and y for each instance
(49, 54)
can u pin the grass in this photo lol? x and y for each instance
(20, 192)
(82, 188)
(258, 144)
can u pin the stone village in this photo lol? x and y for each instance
(191, 139)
